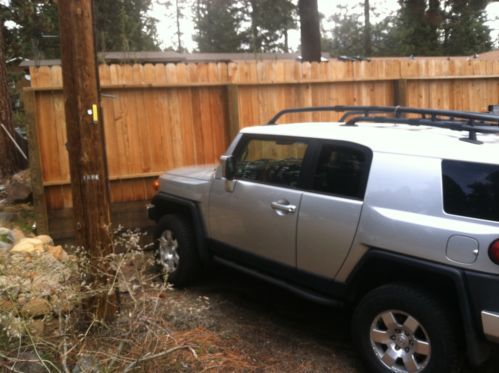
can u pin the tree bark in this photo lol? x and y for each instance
(10, 160)
(310, 30)
(178, 15)
(367, 29)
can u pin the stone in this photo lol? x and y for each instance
(36, 307)
(4, 231)
(87, 364)
(16, 235)
(57, 252)
(7, 306)
(28, 246)
(61, 306)
(4, 247)
(36, 327)
(46, 240)
(29, 362)
(18, 189)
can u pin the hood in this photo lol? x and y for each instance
(204, 172)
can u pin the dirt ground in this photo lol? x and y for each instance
(273, 330)
(278, 331)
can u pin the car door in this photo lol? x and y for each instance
(259, 215)
(330, 208)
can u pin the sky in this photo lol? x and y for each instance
(167, 28)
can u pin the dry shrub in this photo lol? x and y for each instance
(139, 338)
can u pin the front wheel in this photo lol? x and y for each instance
(176, 252)
(401, 329)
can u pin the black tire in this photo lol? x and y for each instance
(436, 325)
(188, 267)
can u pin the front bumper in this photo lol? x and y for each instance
(152, 212)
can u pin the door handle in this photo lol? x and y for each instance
(283, 206)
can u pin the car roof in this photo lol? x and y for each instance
(401, 139)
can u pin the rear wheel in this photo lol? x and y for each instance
(401, 329)
(176, 252)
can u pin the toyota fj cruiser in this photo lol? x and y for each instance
(392, 211)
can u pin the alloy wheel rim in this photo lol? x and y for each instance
(168, 251)
(400, 342)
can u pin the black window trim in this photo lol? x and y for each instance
(306, 164)
(317, 148)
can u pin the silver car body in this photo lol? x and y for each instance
(402, 210)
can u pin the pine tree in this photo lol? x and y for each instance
(125, 26)
(465, 31)
(218, 24)
(269, 22)
(9, 158)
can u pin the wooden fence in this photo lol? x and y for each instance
(163, 116)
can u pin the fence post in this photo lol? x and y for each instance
(233, 111)
(400, 92)
(35, 165)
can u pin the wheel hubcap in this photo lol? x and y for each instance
(400, 342)
(168, 252)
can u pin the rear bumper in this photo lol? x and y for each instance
(490, 323)
(483, 291)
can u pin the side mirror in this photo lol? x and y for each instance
(227, 163)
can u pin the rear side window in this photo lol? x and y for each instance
(342, 170)
(471, 189)
(271, 161)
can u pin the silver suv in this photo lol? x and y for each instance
(391, 211)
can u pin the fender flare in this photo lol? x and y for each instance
(377, 262)
(164, 203)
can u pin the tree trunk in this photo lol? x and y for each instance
(9, 157)
(367, 29)
(310, 30)
(179, 15)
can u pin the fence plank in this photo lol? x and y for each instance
(162, 116)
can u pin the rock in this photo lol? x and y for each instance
(7, 306)
(4, 231)
(4, 247)
(87, 364)
(57, 252)
(36, 307)
(29, 362)
(18, 189)
(46, 240)
(61, 306)
(15, 235)
(36, 327)
(28, 246)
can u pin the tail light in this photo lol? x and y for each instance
(494, 251)
(155, 185)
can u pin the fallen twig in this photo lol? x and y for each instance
(155, 356)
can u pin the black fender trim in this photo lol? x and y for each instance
(379, 261)
(164, 203)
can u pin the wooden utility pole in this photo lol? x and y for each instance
(86, 145)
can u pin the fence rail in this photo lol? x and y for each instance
(163, 116)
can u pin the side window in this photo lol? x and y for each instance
(342, 171)
(271, 161)
(471, 189)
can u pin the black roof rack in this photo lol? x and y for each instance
(451, 119)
